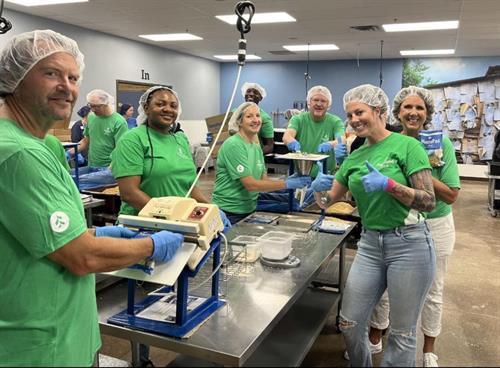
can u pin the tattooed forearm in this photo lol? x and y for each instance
(421, 196)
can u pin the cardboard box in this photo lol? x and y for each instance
(213, 125)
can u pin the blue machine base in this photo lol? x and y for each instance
(196, 317)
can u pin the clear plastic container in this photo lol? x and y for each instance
(276, 248)
(251, 252)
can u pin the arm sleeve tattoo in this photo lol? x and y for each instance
(421, 194)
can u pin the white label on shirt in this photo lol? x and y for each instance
(240, 168)
(59, 222)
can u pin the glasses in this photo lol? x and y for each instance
(96, 106)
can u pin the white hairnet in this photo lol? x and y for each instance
(23, 51)
(322, 90)
(100, 97)
(237, 117)
(246, 86)
(423, 93)
(368, 94)
(142, 117)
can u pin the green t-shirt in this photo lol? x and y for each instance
(48, 316)
(267, 129)
(57, 149)
(398, 157)
(311, 134)
(237, 159)
(173, 170)
(448, 174)
(104, 133)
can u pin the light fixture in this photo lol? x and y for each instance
(235, 57)
(171, 37)
(427, 52)
(324, 47)
(276, 17)
(44, 2)
(422, 26)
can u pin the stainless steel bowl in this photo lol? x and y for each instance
(304, 167)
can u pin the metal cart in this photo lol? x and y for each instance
(494, 188)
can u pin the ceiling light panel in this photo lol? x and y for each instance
(423, 26)
(427, 52)
(324, 47)
(171, 37)
(276, 17)
(44, 2)
(235, 57)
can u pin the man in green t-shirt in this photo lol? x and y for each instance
(254, 92)
(103, 130)
(317, 130)
(48, 311)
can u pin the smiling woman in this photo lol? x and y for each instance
(241, 173)
(154, 159)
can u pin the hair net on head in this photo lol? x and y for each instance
(246, 86)
(322, 90)
(237, 117)
(100, 97)
(368, 94)
(84, 111)
(23, 51)
(142, 117)
(423, 93)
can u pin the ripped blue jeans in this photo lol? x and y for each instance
(403, 261)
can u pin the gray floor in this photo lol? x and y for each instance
(471, 320)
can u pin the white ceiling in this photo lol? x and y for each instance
(318, 21)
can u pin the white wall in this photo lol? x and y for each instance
(108, 58)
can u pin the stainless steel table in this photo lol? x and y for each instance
(88, 205)
(272, 316)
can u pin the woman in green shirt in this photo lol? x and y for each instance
(390, 178)
(241, 172)
(413, 108)
(154, 160)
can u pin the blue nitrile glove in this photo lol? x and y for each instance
(80, 159)
(323, 182)
(225, 221)
(165, 245)
(340, 150)
(374, 181)
(325, 147)
(293, 146)
(296, 181)
(115, 232)
(68, 155)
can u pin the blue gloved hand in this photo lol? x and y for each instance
(68, 155)
(374, 181)
(165, 245)
(225, 221)
(323, 182)
(115, 232)
(80, 159)
(340, 151)
(325, 147)
(296, 181)
(293, 146)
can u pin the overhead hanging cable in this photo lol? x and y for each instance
(243, 26)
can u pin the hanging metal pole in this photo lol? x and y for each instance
(306, 74)
(381, 61)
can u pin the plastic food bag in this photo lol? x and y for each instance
(433, 144)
